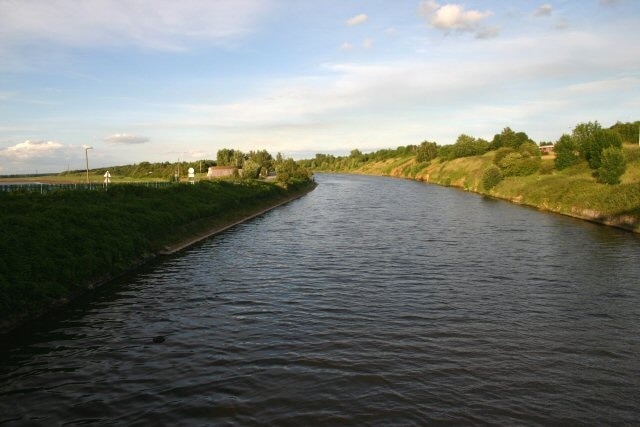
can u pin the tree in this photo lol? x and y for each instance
(627, 131)
(289, 172)
(250, 169)
(612, 166)
(426, 151)
(509, 138)
(262, 158)
(602, 139)
(566, 152)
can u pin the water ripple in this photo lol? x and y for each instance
(370, 301)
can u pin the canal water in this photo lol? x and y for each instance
(370, 301)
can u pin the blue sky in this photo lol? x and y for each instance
(162, 80)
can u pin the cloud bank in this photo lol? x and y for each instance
(31, 149)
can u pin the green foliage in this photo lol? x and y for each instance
(522, 162)
(628, 131)
(426, 151)
(251, 169)
(566, 152)
(263, 159)
(291, 173)
(530, 149)
(491, 177)
(509, 138)
(517, 164)
(612, 166)
(230, 157)
(501, 153)
(465, 146)
(601, 140)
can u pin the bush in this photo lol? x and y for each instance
(612, 166)
(491, 177)
(515, 164)
(602, 139)
(426, 151)
(501, 153)
(566, 152)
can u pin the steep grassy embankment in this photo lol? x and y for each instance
(573, 191)
(57, 245)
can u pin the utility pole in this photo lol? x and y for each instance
(86, 156)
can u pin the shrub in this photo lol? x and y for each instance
(501, 153)
(566, 152)
(515, 164)
(491, 177)
(426, 151)
(602, 139)
(612, 166)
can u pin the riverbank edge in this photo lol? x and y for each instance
(192, 240)
(8, 326)
(630, 223)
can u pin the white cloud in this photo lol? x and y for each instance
(31, 149)
(454, 17)
(123, 138)
(609, 3)
(358, 19)
(391, 31)
(544, 10)
(157, 24)
(368, 43)
(346, 46)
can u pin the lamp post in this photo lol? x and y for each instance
(86, 156)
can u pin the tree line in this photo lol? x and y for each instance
(516, 154)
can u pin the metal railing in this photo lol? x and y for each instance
(43, 188)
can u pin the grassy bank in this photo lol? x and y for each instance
(573, 191)
(57, 245)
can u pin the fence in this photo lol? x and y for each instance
(42, 188)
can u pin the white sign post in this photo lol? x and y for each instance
(192, 175)
(107, 179)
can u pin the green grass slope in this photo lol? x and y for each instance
(573, 191)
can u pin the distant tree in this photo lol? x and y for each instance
(426, 151)
(262, 158)
(628, 131)
(250, 169)
(612, 166)
(509, 138)
(602, 139)
(289, 172)
(355, 154)
(465, 146)
(566, 152)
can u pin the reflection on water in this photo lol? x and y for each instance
(369, 301)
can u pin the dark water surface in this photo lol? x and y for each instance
(370, 301)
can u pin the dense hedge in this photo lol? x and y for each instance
(53, 244)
